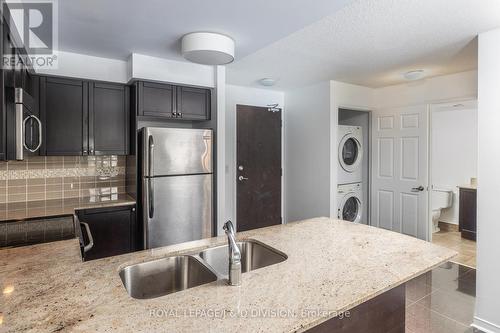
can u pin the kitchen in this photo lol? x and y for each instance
(142, 189)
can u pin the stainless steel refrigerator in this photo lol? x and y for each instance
(177, 185)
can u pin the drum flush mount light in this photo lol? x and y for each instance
(208, 48)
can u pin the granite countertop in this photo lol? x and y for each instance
(54, 207)
(332, 266)
(468, 186)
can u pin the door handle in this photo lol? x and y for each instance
(151, 157)
(418, 189)
(241, 178)
(151, 199)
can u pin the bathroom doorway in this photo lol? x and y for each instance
(453, 178)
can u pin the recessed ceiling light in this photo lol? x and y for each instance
(208, 48)
(413, 75)
(267, 82)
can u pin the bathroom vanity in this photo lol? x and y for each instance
(468, 212)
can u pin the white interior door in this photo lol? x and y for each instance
(399, 170)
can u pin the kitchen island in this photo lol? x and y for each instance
(332, 266)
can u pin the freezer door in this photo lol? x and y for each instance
(177, 209)
(176, 151)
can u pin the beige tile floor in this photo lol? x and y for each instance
(453, 240)
(441, 301)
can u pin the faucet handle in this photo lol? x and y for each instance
(229, 227)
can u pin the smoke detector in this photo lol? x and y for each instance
(208, 48)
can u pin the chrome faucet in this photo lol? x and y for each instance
(234, 255)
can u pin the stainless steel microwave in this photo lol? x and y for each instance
(27, 136)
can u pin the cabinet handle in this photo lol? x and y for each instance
(179, 114)
(90, 245)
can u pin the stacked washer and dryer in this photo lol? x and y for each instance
(350, 174)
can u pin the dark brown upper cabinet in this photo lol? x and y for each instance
(84, 118)
(166, 101)
(108, 119)
(64, 115)
(193, 103)
(156, 100)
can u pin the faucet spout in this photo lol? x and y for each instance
(234, 255)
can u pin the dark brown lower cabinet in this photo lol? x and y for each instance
(467, 217)
(113, 231)
(382, 314)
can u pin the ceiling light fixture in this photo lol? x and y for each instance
(414, 75)
(267, 82)
(208, 48)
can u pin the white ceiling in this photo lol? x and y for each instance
(116, 28)
(373, 42)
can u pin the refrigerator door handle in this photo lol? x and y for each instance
(151, 159)
(151, 203)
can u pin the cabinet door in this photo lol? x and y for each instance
(193, 103)
(112, 231)
(108, 119)
(64, 112)
(467, 213)
(156, 100)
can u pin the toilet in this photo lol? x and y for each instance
(441, 199)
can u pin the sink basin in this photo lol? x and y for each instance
(254, 255)
(165, 276)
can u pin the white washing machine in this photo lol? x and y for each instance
(350, 154)
(350, 202)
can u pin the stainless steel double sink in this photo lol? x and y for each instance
(172, 274)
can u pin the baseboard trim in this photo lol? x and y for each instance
(485, 325)
(446, 226)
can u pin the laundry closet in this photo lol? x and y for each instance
(353, 150)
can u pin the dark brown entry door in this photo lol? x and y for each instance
(258, 174)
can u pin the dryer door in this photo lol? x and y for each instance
(350, 153)
(351, 208)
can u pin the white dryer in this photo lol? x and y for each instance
(350, 154)
(350, 202)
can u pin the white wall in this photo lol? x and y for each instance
(453, 152)
(308, 133)
(487, 316)
(88, 67)
(152, 68)
(432, 90)
(245, 96)
(137, 66)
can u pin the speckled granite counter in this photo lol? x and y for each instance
(332, 266)
(44, 208)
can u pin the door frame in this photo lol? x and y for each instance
(235, 165)
(431, 108)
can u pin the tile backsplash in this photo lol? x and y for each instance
(57, 177)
